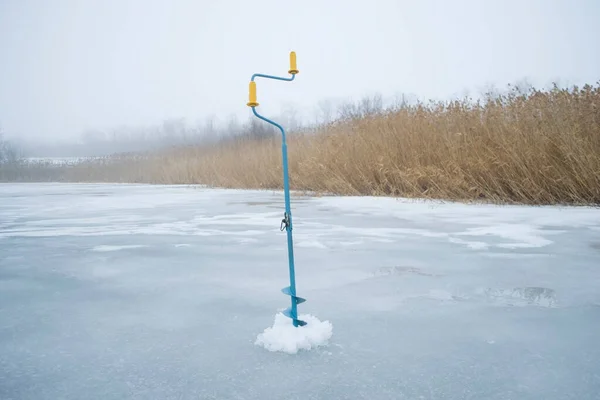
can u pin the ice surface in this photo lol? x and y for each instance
(284, 337)
(161, 292)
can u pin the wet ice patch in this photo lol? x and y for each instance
(286, 338)
(532, 296)
(516, 256)
(105, 248)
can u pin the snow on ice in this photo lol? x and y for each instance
(285, 337)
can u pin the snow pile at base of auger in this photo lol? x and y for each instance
(283, 336)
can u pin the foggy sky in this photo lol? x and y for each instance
(68, 66)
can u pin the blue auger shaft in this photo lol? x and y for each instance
(292, 312)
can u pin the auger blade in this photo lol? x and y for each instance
(288, 313)
(286, 290)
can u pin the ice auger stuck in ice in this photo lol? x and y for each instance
(286, 223)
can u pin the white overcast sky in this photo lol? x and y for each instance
(67, 66)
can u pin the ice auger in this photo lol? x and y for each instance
(286, 223)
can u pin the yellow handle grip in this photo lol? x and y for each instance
(252, 102)
(293, 67)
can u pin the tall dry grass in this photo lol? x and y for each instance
(539, 147)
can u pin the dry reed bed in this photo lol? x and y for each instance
(542, 147)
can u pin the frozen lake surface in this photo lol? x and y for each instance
(148, 292)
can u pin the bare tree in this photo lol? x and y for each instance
(257, 129)
(8, 152)
(371, 105)
(324, 112)
(400, 102)
(348, 111)
(209, 125)
(289, 116)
